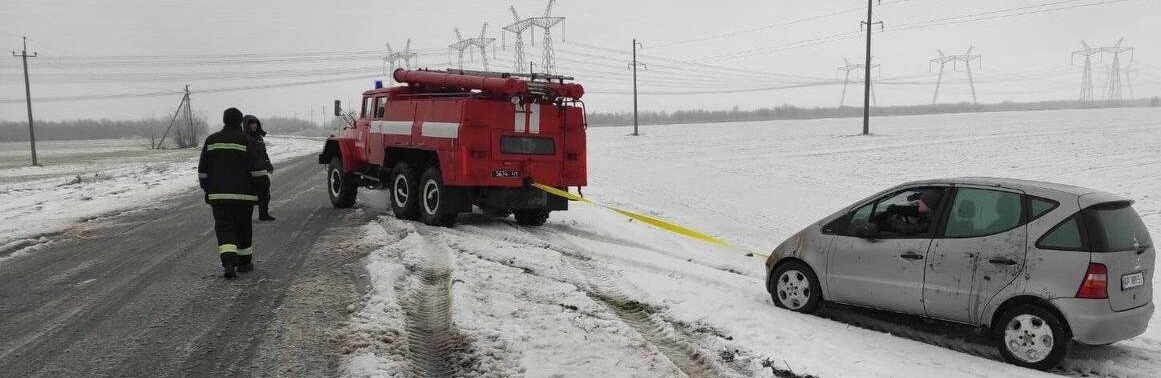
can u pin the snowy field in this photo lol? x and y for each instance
(593, 294)
(82, 180)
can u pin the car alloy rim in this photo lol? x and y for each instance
(400, 193)
(430, 196)
(793, 289)
(1028, 338)
(336, 182)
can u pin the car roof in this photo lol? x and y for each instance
(1027, 186)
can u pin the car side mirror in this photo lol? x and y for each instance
(338, 108)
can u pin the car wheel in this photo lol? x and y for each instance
(1032, 337)
(438, 204)
(403, 198)
(796, 288)
(340, 185)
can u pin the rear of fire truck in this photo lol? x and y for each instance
(448, 140)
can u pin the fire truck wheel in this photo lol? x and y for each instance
(340, 186)
(402, 197)
(532, 217)
(436, 202)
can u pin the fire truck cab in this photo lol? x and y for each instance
(448, 140)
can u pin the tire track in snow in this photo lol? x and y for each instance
(665, 336)
(427, 318)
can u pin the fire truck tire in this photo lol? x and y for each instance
(341, 186)
(438, 205)
(403, 188)
(532, 217)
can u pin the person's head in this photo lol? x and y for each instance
(251, 123)
(929, 200)
(232, 117)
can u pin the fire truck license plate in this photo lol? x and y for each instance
(1130, 281)
(506, 173)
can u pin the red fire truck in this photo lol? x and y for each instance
(448, 140)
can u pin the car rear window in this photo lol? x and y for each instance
(527, 145)
(1115, 227)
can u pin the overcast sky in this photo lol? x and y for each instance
(700, 54)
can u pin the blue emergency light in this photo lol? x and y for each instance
(378, 84)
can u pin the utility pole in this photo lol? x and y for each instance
(189, 115)
(28, 97)
(634, 67)
(867, 71)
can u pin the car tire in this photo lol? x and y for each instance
(438, 204)
(404, 190)
(796, 288)
(1029, 335)
(532, 217)
(341, 186)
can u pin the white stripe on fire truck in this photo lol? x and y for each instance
(519, 122)
(534, 120)
(440, 129)
(391, 127)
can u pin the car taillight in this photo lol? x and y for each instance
(1095, 285)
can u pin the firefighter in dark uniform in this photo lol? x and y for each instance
(230, 160)
(254, 128)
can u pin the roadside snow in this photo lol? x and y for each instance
(536, 295)
(44, 200)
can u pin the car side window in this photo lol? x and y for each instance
(982, 212)
(1065, 236)
(903, 198)
(1040, 206)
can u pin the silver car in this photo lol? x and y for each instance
(1041, 264)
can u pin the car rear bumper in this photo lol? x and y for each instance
(1094, 323)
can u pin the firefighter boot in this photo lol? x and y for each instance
(245, 264)
(229, 263)
(264, 212)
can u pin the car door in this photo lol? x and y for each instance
(884, 272)
(979, 250)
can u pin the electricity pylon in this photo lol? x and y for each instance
(394, 58)
(1114, 81)
(847, 79)
(480, 42)
(517, 27)
(546, 22)
(1086, 77)
(943, 60)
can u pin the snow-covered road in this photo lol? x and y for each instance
(593, 294)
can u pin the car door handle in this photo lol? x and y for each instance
(1002, 261)
(911, 256)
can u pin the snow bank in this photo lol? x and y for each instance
(43, 200)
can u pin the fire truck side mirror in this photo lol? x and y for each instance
(338, 108)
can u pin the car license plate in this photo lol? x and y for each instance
(506, 173)
(1130, 281)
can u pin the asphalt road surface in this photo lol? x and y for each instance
(140, 294)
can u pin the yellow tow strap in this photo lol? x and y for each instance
(652, 221)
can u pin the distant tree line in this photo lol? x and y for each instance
(788, 112)
(151, 129)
